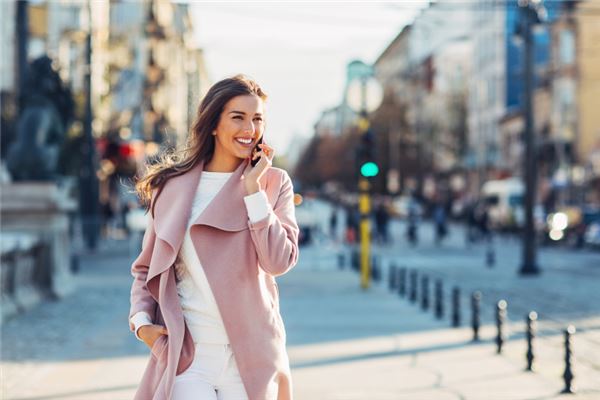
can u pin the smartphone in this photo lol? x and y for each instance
(253, 162)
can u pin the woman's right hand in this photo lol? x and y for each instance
(149, 333)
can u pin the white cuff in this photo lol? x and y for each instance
(257, 205)
(140, 319)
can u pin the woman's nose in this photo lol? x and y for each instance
(249, 128)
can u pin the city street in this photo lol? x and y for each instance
(344, 343)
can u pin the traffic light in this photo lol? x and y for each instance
(368, 164)
(369, 169)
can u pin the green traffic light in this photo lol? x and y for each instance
(369, 169)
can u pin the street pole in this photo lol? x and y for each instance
(528, 16)
(22, 29)
(364, 202)
(88, 183)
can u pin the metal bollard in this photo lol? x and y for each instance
(568, 374)
(402, 282)
(392, 277)
(456, 307)
(500, 321)
(412, 296)
(476, 314)
(340, 260)
(425, 293)
(439, 299)
(531, 321)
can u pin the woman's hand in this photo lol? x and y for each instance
(253, 174)
(149, 333)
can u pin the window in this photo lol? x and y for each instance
(567, 47)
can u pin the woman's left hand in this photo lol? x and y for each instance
(253, 174)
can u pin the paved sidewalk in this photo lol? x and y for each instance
(373, 345)
(344, 343)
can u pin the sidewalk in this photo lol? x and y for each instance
(343, 344)
(373, 345)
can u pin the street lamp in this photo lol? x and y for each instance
(88, 181)
(364, 96)
(531, 12)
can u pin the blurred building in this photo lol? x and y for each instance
(424, 71)
(496, 91)
(573, 145)
(155, 72)
(392, 69)
(147, 79)
(147, 73)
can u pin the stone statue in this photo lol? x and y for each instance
(47, 109)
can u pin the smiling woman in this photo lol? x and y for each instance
(204, 297)
(238, 131)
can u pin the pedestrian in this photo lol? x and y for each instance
(439, 216)
(204, 297)
(412, 227)
(333, 218)
(381, 221)
(351, 224)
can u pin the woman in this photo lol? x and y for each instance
(204, 297)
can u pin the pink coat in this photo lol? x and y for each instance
(240, 260)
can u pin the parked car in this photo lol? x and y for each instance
(505, 201)
(571, 225)
(592, 235)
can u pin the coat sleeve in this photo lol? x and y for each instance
(275, 237)
(141, 299)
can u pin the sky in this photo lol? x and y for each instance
(297, 51)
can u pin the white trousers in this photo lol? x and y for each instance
(213, 375)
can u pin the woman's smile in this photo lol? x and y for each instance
(245, 142)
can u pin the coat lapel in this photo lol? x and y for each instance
(226, 211)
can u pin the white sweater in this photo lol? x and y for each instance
(197, 301)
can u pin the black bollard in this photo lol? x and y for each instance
(392, 277)
(425, 293)
(456, 307)
(531, 320)
(500, 321)
(340, 260)
(439, 299)
(476, 314)
(412, 296)
(402, 282)
(568, 374)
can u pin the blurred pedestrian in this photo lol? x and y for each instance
(382, 218)
(204, 297)
(471, 216)
(440, 219)
(351, 224)
(412, 229)
(333, 220)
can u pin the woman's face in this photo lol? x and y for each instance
(240, 126)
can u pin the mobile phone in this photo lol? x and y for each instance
(256, 148)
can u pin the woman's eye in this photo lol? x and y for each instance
(238, 117)
(258, 119)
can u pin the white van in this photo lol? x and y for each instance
(505, 199)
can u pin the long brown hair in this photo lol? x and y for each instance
(200, 144)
